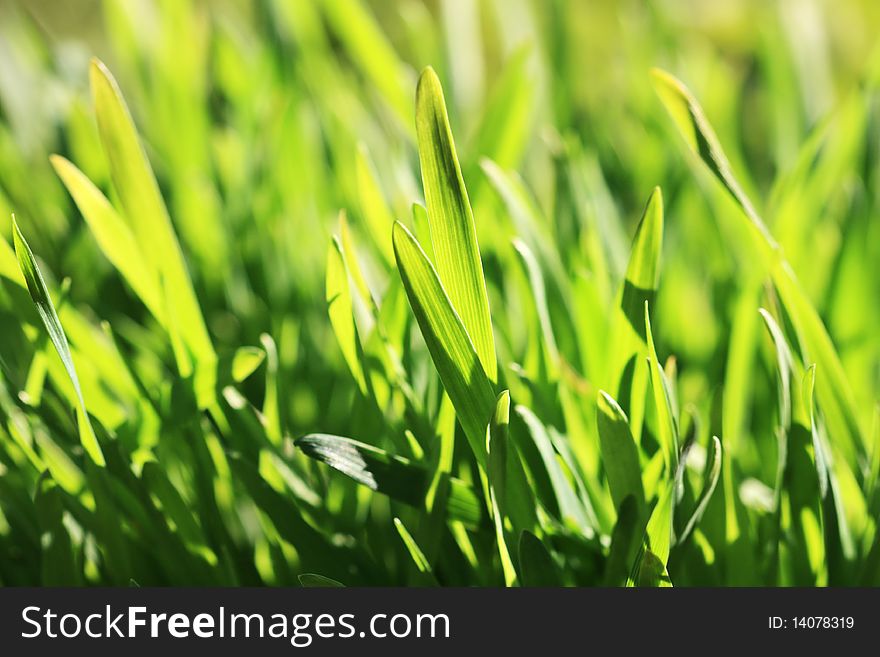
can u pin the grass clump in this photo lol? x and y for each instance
(325, 321)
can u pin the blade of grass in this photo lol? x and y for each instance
(497, 449)
(666, 424)
(46, 310)
(148, 217)
(570, 508)
(448, 341)
(833, 391)
(113, 235)
(414, 551)
(340, 307)
(625, 542)
(453, 232)
(710, 481)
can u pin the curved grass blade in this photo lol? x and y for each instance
(245, 362)
(785, 365)
(666, 423)
(838, 537)
(448, 341)
(148, 217)
(693, 125)
(453, 232)
(628, 372)
(833, 391)
(46, 310)
(619, 454)
(390, 475)
(643, 268)
(113, 235)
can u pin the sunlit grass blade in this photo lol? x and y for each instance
(539, 292)
(245, 362)
(418, 557)
(448, 341)
(46, 310)
(873, 479)
(650, 567)
(9, 263)
(628, 373)
(833, 392)
(693, 125)
(570, 507)
(116, 239)
(667, 426)
(148, 217)
(830, 474)
(834, 395)
(643, 268)
(502, 131)
(453, 232)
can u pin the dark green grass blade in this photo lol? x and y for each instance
(535, 562)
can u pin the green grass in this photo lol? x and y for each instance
(354, 293)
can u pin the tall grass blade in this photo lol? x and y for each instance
(453, 232)
(449, 343)
(620, 456)
(46, 310)
(148, 217)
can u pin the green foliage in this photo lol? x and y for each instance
(289, 313)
